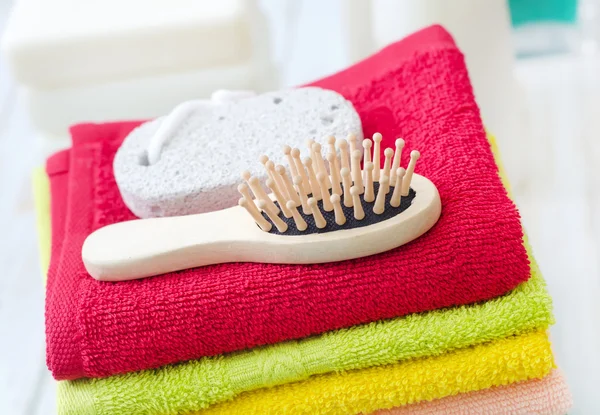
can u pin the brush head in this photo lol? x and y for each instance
(326, 209)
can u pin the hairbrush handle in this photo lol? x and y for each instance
(147, 247)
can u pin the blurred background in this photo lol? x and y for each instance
(534, 64)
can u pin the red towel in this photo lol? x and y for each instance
(57, 168)
(417, 89)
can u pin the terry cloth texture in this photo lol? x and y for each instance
(192, 385)
(418, 89)
(526, 308)
(501, 362)
(547, 396)
(57, 168)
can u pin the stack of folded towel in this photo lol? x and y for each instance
(454, 322)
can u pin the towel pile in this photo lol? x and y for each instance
(452, 323)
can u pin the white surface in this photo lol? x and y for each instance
(23, 376)
(357, 19)
(559, 205)
(71, 42)
(198, 172)
(560, 208)
(52, 111)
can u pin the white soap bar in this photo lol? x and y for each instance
(52, 111)
(69, 42)
(199, 167)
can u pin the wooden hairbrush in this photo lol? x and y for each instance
(310, 216)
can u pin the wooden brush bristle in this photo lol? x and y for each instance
(346, 197)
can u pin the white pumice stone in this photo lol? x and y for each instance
(197, 169)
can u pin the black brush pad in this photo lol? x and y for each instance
(351, 223)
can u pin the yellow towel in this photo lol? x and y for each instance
(501, 362)
(41, 197)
